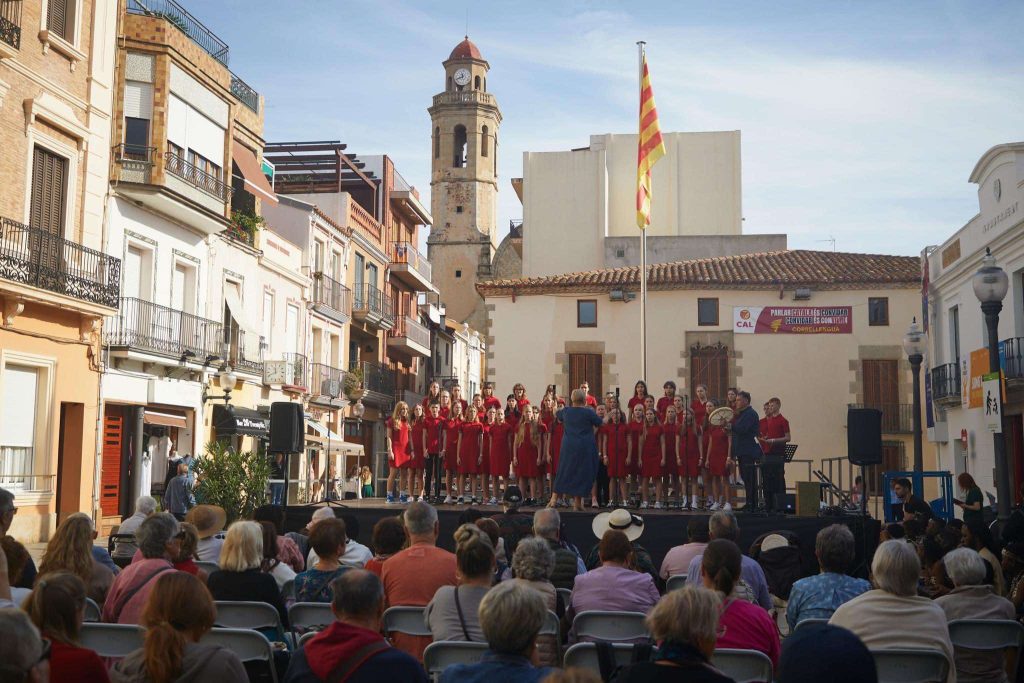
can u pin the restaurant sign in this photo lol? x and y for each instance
(792, 319)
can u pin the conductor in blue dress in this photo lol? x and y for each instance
(578, 461)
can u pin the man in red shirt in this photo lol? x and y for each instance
(591, 401)
(432, 447)
(773, 438)
(665, 401)
(490, 400)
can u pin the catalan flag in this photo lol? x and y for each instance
(650, 148)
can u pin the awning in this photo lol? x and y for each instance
(252, 175)
(241, 316)
(165, 418)
(325, 436)
(232, 420)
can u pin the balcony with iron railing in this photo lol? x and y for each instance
(897, 418)
(410, 337)
(373, 306)
(181, 168)
(180, 18)
(331, 298)
(946, 384)
(245, 94)
(411, 267)
(38, 258)
(290, 372)
(135, 162)
(378, 382)
(1013, 357)
(10, 27)
(465, 97)
(244, 354)
(327, 384)
(144, 326)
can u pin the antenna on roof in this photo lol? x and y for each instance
(830, 239)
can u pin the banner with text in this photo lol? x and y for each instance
(792, 319)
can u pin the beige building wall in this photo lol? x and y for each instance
(573, 200)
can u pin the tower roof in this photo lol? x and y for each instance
(465, 50)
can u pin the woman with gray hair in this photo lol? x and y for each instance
(24, 656)
(532, 564)
(972, 598)
(893, 616)
(511, 616)
(158, 541)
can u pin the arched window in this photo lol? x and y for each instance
(437, 143)
(483, 141)
(449, 84)
(476, 83)
(459, 147)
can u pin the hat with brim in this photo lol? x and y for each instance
(208, 520)
(773, 541)
(619, 520)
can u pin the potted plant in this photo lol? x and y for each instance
(236, 481)
(244, 225)
(354, 384)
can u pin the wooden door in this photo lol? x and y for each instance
(585, 367)
(881, 391)
(709, 365)
(110, 479)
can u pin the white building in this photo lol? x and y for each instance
(957, 333)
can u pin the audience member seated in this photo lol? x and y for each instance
(158, 542)
(978, 537)
(677, 560)
(209, 521)
(57, 607)
(328, 541)
(914, 531)
(452, 614)
(239, 578)
(272, 563)
(723, 526)
(547, 524)
(179, 612)
(511, 616)
(356, 554)
(284, 548)
(388, 539)
(613, 586)
(1013, 572)
(24, 656)
(971, 598)
(186, 559)
(144, 507)
(633, 526)
(684, 626)
(817, 597)
(934, 581)
(532, 564)
(742, 625)
(822, 652)
(513, 525)
(352, 649)
(70, 550)
(893, 615)
(301, 539)
(17, 559)
(412, 576)
(493, 531)
(7, 512)
(892, 532)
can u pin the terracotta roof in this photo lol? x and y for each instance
(465, 50)
(796, 268)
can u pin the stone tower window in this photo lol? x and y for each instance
(459, 147)
(483, 141)
(437, 143)
(476, 83)
(450, 88)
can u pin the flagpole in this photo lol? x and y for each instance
(643, 240)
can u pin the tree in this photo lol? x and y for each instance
(235, 481)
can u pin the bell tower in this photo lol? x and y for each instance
(464, 122)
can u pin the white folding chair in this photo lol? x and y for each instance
(92, 611)
(566, 596)
(442, 654)
(310, 616)
(584, 655)
(288, 590)
(306, 637)
(246, 614)
(111, 640)
(610, 626)
(249, 645)
(407, 620)
(207, 566)
(675, 582)
(743, 666)
(988, 634)
(910, 666)
(803, 623)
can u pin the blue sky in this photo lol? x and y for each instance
(860, 121)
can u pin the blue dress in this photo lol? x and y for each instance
(577, 462)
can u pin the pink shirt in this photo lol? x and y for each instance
(746, 626)
(131, 588)
(677, 560)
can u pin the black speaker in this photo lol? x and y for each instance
(287, 427)
(864, 436)
(785, 502)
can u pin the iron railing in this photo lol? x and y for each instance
(195, 176)
(376, 377)
(411, 330)
(897, 418)
(136, 162)
(1013, 350)
(331, 293)
(184, 22)
(946, 382)
(326, 380)
(245, 93)
(244, 354)
(10, 22)
(406, 252)
(369, 299)
(297, 369)
(41, 259)
(151, 327)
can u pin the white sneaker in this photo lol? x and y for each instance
(711, 502)
(727, 507)
(739, 482)
(643, 505)
(659, 506)
(419, 499)
(448, 500)
(683, 503)
(714, 507)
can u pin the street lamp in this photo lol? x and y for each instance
(914, 345)
(226, 380)
(990, 286)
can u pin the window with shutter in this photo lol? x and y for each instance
(49, 191)
(709, 365)
(585, 367)
(59, 18)
(881, 391)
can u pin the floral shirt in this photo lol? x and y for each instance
(817, 597)
(314, 585)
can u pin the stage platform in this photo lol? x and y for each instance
(662, 529)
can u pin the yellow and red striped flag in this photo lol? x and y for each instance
(650, 148)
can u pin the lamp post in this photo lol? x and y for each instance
(990, 286)
(914, 345)
(226, 380)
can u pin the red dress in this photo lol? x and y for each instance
(469, 447)
(635, 401)
(492, 402)
(663, 403)
(615, 448)
(716, 446)
(528, 453)
(500, 450)
(419, 458)
(671, 432)
(700, 413)
(689, 452)
(432, 428)
(633, 432)
(451, 444)
(400, 443)
(651, 459)
(427, 400)
(485, 459)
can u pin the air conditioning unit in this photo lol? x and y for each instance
(330, 387)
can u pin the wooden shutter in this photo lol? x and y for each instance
(49, 191)
(110, 478)
(894, 459)
(709, 365)
(585, 367)
(58, 18)
(881, 391)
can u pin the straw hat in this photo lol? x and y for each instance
(773, 541)
(208, 520)
(620, 520)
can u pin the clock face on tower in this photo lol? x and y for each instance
(462, 77)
